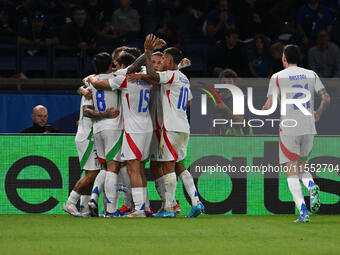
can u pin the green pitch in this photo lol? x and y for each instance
(63, 234)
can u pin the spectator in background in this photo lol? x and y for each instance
(312, 17)
(219, 21)
(125, 20)
(8, 27)
(228, 55)
(25, 12)
(40, 117)
(259, 60)
(324, 58)
(37, 36)
(276, 51)
(55, 15)
(250, 19)
(79, 33)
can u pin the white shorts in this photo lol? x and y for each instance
(295, 148)
(108, 145)
(87, 155)
(136, 146)
(154, 148)
(173, 146)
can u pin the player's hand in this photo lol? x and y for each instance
(88, 93)
(149, 42)
(185, 62)
(159, 44)
(133, 77)
(111, 113)
(91, 79)
(85, 80)
(316, 116)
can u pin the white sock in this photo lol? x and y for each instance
(189, 185)
(159, 184)
(84, 199)
(119, 189)
(307, 179)
(296, 190)
(126, 187)
(73, 197)
(170, 183)
(104, 201)
(146, 197)
(138, 198)
(110, 191)
(98, 185)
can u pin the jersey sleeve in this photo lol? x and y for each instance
(122, 71)
(274, 86)
(318, 84)
(166, 77)
(190, 95)
(118, 82)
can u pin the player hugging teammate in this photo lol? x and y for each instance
(125, 131)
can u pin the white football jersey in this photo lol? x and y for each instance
(85, 123)
(296, 77)
(102, 100)
(175, 94)
(135, 104)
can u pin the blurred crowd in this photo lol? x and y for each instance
(247, 36)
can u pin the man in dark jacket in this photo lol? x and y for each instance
(40, 117)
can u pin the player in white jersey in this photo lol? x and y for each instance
(108, 137)
(297, 128)
(138, 132)
(157, 119)
(87, 156)
(174, 93)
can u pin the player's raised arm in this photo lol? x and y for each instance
(85, 91)
(149, 46)
(138, 76)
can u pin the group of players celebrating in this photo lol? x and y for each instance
(132, 113)
(137, 112)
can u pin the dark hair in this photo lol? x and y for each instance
(228, 73)
(265, 42)
(117, 51)
(125, 59)
(175, 53)
(102, 62)
(133, 51)
(292, 53)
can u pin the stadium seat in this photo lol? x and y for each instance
(39, 62)
(9, 57)
(65, 59)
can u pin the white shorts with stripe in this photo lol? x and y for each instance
(154, 149)
(87, 155)
(295, 148)
(108, 145)
(136, 146)
(173, 146)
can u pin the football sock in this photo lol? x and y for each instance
(159, 183)
(126, 186)
(307, 179)
(138, 198)
(73, 197)
(170, 183)
(98, 185)
(296, 190)
(84, 199)
(146, 199)
(189, 185)
(110, 191)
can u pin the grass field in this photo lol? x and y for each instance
(63, 234)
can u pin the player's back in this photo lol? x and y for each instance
(297, 77)
(175, 93)
(102, 100)
(136, 100)
(85, 123)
